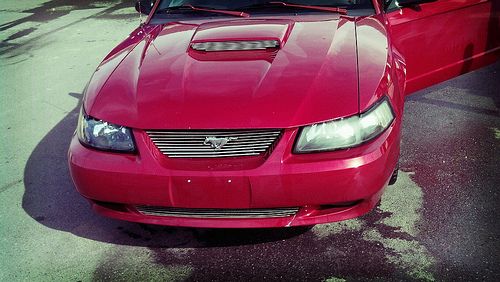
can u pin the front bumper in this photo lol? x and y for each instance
(326, 187)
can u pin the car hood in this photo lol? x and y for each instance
(163, 84)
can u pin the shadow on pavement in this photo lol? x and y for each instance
(50, 11)
(487, 86)
(54, 9)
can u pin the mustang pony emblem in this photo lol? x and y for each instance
(217, 143)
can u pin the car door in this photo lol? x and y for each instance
(444, 38)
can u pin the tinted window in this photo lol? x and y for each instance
(244, 4)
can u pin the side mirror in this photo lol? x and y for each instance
(144, 6)
(406, 3)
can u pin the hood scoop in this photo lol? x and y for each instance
(239, 40)
(244, 45)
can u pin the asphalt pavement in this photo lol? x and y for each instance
(438, 223)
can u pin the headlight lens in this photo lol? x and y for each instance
(103, 135)
(346, 132)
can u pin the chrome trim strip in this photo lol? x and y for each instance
(217, 213)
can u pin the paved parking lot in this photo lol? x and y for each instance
(439, 222)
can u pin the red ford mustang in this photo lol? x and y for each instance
(256, 113)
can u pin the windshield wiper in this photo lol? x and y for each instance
(310, 7)
(194, 8)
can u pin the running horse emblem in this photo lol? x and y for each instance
(217, 143)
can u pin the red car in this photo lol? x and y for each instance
(265, 114)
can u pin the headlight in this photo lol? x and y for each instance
(103, 135)
(346, 132)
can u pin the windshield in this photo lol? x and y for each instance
(256, 7)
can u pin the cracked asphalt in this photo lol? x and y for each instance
(438, 223)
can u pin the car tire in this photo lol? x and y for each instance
(394, 176)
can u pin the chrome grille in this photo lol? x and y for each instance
(197, 144)
(217, 213)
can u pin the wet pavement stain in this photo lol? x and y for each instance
(397, 229)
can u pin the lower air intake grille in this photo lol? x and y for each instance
(214, 144)
(217, 213)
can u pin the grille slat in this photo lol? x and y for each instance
(194, 133)
(241, 139)
(220, 152)
(226, 148)
(195, 140)
(203, 133)
(195, 145)
(191, 144)
(212, 156)
(217, 213)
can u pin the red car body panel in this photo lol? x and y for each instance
(327, 66)
(443, 39)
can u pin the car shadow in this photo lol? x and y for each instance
(489, 83)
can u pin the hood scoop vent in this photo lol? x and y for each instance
(239, 40)
(215, 46)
